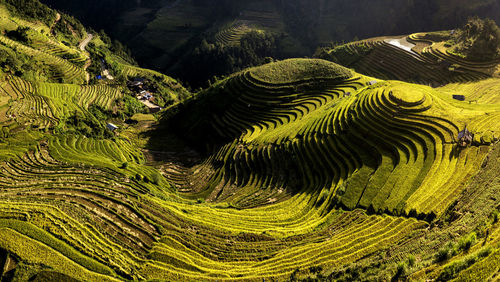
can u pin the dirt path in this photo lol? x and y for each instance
(58, 18)
(86, 41)
(82, 47)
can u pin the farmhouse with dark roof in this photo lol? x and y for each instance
(465, 138)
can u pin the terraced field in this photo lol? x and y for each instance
(63, 69)
(44, 104)
(95, 216)
(314, 167)
(428, 63)
(345, 135)
(302, 169)
(233, 34)
(58, 49)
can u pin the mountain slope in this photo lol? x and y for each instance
(162, 33)
(298, 169)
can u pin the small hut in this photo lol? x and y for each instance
(465, 138)
(111, 127)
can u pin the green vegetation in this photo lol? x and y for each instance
(292, 71)
(161, 32)
(81, 124)
(31, 10)
(300, 169)
(478, 40)
(432, 60)
(451, 270)
(224, 57)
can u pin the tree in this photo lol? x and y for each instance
(479, 40)
(20, 34)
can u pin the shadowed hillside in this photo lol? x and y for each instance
(165, 35)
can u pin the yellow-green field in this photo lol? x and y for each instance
(299, 169)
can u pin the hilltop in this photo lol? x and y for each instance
(352, 166)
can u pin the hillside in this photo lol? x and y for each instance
(429, 58)
(353, 168)
(165, 34)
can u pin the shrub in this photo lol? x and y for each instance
(86, 125)
(411, 260)
(124, 165)
(99, 112)
(465, 243)
(138, 177)
(156, 178)
(400, 270)
(132, 106)
(445, 252)
(31, 9)
(341, 190)
(484, 252)
(495, 216)
(451, 270)
(481, 229)
(20, 34)
(5, 132)
(479, 39)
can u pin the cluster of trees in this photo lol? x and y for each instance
(31, 10)
(68, 27)
(21, 65)
(478, 40)
(130, 106)
(88, 125)
(11, 62)
(117, 48)
(93, 123)
(209, 60)
(20, 34)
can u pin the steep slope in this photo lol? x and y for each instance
(305, 170)
(160, 29)
(308, 131)
(332, 131)
(432, 58)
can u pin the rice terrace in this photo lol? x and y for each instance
(262, 160)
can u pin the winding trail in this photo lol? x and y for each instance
(86, 41)
(58, 18)
(82, 47)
